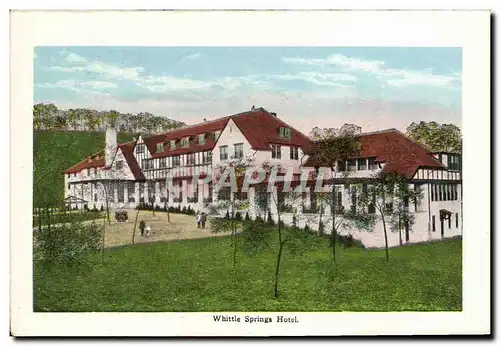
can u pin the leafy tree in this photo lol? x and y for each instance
(333, 147)
(389, 195)
(44, 115)
(436, 137)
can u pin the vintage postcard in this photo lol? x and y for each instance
(250, 173)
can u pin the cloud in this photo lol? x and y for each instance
(193, 56)
(390, 76)
(80, 86)
(322, 79)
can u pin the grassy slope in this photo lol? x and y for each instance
(196, 275)
(54, 152)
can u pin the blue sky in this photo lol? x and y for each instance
(307, 86)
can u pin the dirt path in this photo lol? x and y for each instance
(180, 227)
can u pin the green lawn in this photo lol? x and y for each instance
(196, 275)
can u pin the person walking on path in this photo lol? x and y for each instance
(142, 226)
(199, 219)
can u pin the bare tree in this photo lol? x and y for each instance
(333, 148)
(389, 195)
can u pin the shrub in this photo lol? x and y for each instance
(157, 208)
(307, 228)
(227, 214)
(188, 210)
(347, 240)
(270, 220)
(184, 210)
(237, 216)
(67, 244)
(294, 221)
(102, 207)
(247, 217)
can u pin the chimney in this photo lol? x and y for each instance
(273, 114)
(110, 149)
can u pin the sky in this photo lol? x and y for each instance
(375, 88)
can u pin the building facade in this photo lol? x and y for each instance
(126, 175)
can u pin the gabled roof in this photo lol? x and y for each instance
(97, 161)
(128, 154)
(260, 128)
(188, 131)
(93, 161)
(398, 152)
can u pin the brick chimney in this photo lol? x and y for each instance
(110, 150)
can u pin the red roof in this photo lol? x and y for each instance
(128, 154)
(260, 128)
(97, 160)
(398, 152)
(93, 161)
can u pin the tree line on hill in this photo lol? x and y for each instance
(49, 117)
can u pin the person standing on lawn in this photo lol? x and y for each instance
(203, 219)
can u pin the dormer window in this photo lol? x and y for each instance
(119, 165)
(172, 144)
(285, 133)
(201, 139)
(185, 142)
(216, 135)
(159, 147)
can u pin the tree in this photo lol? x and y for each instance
(235, 169)
(333, 147)
(436, 137)
(73, 118)
(258, 236)
(91, 119)
(389, 195)
(111, 118)
(44, 115)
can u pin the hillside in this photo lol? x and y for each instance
(56, 151)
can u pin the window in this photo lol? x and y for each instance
(191, 159)
(372, 163)
(131, 191)
(69, 175)
(207, 157)
(456, 220)
(440, 192)
(176, 161)
(69, 186)
(140, 149)
(147, 164)
(159, 147)
(238, 150)
(354, 200)
(172, 144)
(95, 197)
(294, 153)
(185, 142)
(433, 192)
(285, 133)
(224, 194)
(342, 166)
(223, 152)
(453, 162)
(448, 192)
(201, 139)
(119, 165)
(276, 151)
(416, 201)
(163, 162)
(449, 221)
(433, 223)
(351, 164)
(216, 135)
(74, 175)
(362, 165)
(121, 191)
